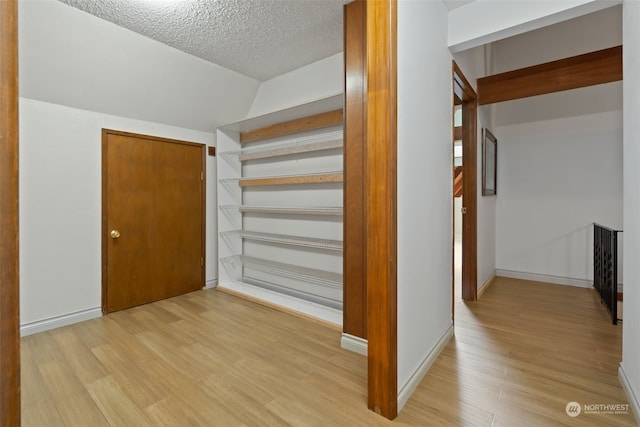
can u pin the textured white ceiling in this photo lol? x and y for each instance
(258, 38)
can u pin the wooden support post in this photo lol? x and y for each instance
(355, 116)
(9, 287)
(380, 203)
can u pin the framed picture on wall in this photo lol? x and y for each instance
(489, 163)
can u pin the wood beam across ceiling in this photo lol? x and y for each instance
(602, 66)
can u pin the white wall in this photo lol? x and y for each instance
(319, 80)
(482, 22)
(424, 188)
(583, 34)
(543, 131)
(556, 178)
(474, 65)
(630, 367)
(78, 74)
(72, 58)
(580, 35)
(60, 209)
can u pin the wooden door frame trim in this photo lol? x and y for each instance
(105, 174)
(380, 204)
(602, 66)
(466, 95)
(354, 229)
(9, 218)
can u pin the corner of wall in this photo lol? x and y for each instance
(634, 400)
(321, 79)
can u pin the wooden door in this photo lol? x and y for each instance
(153, 219)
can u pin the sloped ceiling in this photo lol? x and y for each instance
(454, 4)
(258, 38)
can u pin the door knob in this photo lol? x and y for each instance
(115, 234)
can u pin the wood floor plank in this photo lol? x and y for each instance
(42, 414)
(114, 404)
(80, 409)
(60, 378)
(85, 365)
(519, 355)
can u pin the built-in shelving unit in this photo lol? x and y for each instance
(312, 178)
(309, 242)
(314, 275)
(280, 198)
(284, 210)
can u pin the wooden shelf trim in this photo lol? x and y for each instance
(313, 275)
(331, 118)
(289, 210)
(292, 149)
(308, 242)
(457, 133)
(602, 66)
(293, 179)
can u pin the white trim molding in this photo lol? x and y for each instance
(355, 344)
(558, 280)
(327, 314)
(211, 284)
(634, 402)
(43, 325)
(486, 285)
(407, 390)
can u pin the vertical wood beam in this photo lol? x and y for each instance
(380, 203)
(355, 291)
(9, 290)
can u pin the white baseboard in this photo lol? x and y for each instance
(37, 326)
(355, 344)
(486, 285)
(558, 280)
(634, 402)
(211, 284)
(327, 314)
(407, 390)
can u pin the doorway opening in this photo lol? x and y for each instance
(465, 106)
(457, 203)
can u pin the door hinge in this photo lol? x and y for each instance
(464, 210)
(201, 176)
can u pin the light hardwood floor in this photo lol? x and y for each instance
(212, 359)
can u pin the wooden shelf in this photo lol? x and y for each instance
(320, 277)
(317, 121)
(316, 178)
(291, 149)
(287, 210)
(309, 242)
